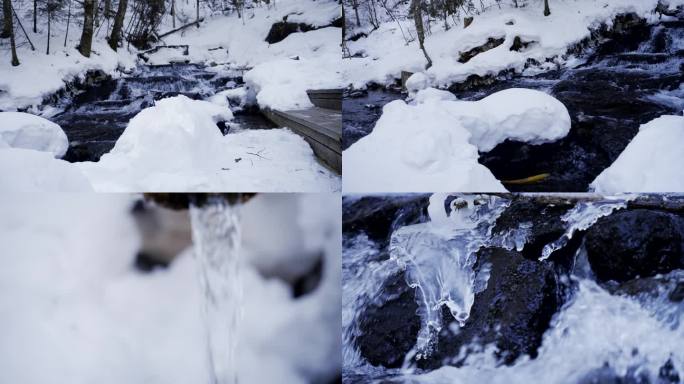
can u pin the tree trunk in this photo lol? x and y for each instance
(197, 18)
(547, 11)
(420, 30)
(7, 19)
(173, 13)
(49, 16)
(35, 16)
(66, 35)
(6, 4)
(118, 25)
(355, 5)
(107, 8)
(87, 36)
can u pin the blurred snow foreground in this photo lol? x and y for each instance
(174, 145)
(73, 309)
(434, 140)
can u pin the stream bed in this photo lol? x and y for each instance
(513, 289)
(96, 116)
(624, 81)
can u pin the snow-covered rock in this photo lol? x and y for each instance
(25, 170)
(650, 163)
(23, 130)
(432, 145)
(176, 146)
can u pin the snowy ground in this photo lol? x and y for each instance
(386, 53)
(73, 309)
(432, 143)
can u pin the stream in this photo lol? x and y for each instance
(216, 236)
(512, 289)
(623, 82)
(96, 116)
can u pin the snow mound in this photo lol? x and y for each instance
(159, 136)
(176, 146)
(649, 163)
(24, 170)
(432, 145)
(23, 130)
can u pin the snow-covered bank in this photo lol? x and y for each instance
(650, 163)
(74, 310)
(432, 144)
(176, 146)
(385, 52)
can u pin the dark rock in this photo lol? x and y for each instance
(607, 375)
(388, 330)
(519, 45)
(635, 243)
(282, 29)
(546, 227)
(668, 373)
(490, 44)
(513, 312)
(379, 216)
(671, 285)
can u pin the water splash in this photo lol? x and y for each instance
(439, 256)
(216, 235)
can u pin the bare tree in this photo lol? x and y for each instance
(85, 46)
(7, 19)
(420, 30)
(547, 11)
(115, 38)
(35, 16)
(8, 29)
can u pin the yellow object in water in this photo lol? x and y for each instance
(528, 180)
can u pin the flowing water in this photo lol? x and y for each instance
(598, 334)
(216, 236)
(624, 82)
(96, 116)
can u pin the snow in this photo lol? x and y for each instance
(431, 144)
(649, 162)
(176, 146)
(386, 53)
(24, 170)
(74, 309)
(23, 130)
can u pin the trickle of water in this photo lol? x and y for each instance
(216, 236)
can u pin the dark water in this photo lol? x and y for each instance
(626, 81)
(96, 117)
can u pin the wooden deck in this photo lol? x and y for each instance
(320, 127)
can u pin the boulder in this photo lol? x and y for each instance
(635, 243)
(512, 313)
(389, 329)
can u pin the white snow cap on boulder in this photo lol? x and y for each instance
(432, 145)
(26, 131)
(652, 162)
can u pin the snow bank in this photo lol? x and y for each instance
(282, 84)
(432, 145)
(386, 53)
(74, 310)
(176, 146)
(25, 170)
(649, 163)
(23, 130)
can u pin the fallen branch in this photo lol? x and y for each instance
(197, 22)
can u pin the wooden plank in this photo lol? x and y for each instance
(321, 128)
(326, 98)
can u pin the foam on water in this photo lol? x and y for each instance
(216, 236)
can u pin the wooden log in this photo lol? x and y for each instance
(197, 22)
